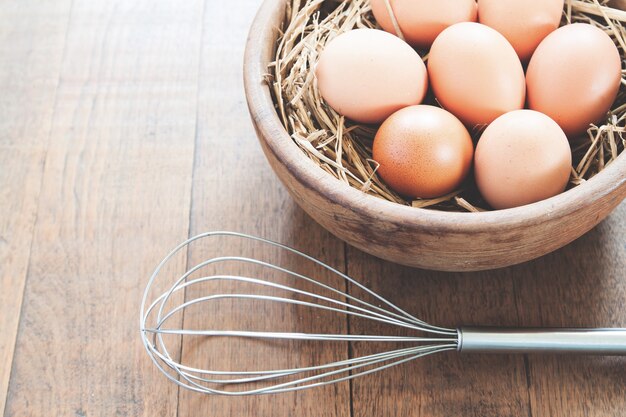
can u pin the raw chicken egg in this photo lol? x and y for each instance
(476, 74)
(423, 151)
(524, 23)
(521, 158)
(574, 76)
(367, 74)
(421, 21)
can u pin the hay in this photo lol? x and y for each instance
(343, 148)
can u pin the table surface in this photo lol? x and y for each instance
(123, 130)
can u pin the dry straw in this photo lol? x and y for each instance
(343, 148)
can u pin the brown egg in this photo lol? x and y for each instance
(574, 76)
(421, 21)
(423, 151)
(476, 74)
(521, 158)
(523, 23)
(368, 74)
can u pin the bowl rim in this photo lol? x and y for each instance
(262, 110)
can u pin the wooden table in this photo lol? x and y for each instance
(123, 130)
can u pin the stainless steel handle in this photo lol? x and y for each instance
(579, 341)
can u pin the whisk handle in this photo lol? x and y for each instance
(574, 341)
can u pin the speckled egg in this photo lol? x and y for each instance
(423, 151)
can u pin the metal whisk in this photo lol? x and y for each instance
(156, 314)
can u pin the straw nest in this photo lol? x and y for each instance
(343, 148)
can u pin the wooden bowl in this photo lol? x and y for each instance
(416, 237)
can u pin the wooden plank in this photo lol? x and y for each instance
(32, 37)
(115, 195)
(582, 285)
(444, 384)
(20, 178)
(235, 189)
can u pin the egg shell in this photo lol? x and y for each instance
(421, 21)
(521, 158)
(574, 76)
(476, 74)
(523, 23)
(367, 74)
(423, 151)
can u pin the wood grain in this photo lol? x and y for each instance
(583, 285)
(229, 174)
(115, 195)
(32, 38)
(446, 384)
(147, 140)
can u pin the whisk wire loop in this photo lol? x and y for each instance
(338, 301)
